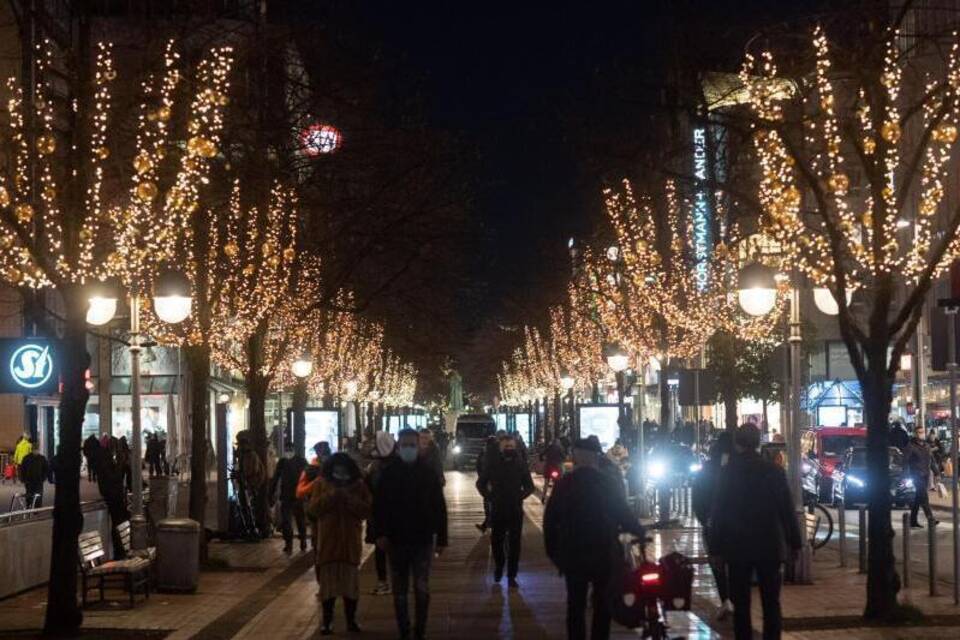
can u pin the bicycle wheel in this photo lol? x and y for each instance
(823, 530)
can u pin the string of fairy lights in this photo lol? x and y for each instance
(241, 260)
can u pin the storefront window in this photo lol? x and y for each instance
(154, 413)
(91, 419)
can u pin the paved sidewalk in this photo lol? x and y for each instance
(260, 593)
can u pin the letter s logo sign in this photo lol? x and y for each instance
(31, 365)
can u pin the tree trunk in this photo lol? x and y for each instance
(198, 363)
(257, 387)
(666, 404)
(63, 616)
(882, 580)
(299, 417)
(730, 410)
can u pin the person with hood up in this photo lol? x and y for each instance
(340, 501)
(506, 484)
(384, 454)
(286, 475)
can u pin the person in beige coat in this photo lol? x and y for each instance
(339, 501)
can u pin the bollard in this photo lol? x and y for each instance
(842, 531)
(862, 527)
(932, 569)
(906, 550)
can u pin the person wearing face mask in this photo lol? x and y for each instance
(584, 517)
(340, 502)
(506, 483)
(411, 518)
(286, 475)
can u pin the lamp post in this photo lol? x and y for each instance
(618, 361)
(567, 383)
(172, 303)
(757, 294)
(301, 368)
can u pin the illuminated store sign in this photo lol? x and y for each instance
(29, 366)
(701, 210)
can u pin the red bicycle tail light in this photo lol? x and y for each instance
(649, 579)
(554, 474)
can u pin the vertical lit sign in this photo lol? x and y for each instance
(701, 209)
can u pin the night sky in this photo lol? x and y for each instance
(552, 98)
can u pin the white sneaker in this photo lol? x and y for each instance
(382, 589)
(725, 610)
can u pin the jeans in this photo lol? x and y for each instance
(769, 579)
(292, 509)
(577, 585)
(404, 560)
(380, 560)
(505, 544)
(921, 499)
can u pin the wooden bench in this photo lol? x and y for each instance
(133, 573)
(123, 532)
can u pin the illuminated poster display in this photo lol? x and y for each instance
(701, 209)
(322, 425)
(523, 426)
(600, 420)
(394, 424)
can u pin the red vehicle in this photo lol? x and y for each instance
(828, 445)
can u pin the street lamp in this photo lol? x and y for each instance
(757, 290)
(301, 368)
(617, 358)
(826, 302)
(172, 301)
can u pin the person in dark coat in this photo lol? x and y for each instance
(506, 484)
(704, 496)
(430, 454)
(584, 517)
(754, 529)
(384, 455)
(89, 446)
(488, 456)
(552, 458)
(110, 481)
(918, 462)
(899, 437)
(285, 476)
(34, 471)
(411, 516)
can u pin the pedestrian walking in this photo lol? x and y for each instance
(285, 476)
(34, 471)
(308, 479)
(20, 451)
(754, 529)
(506, 484)
(123, 463)
(487, 457)
(340, 502)
(919, 464)
(704, 496)
(583, 520)
(384, 454)
(90, 446)
(430, 454)
(552, 458)
(411, 517)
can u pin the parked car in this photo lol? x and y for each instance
(850, 479)
(470, 439)
(827, 445)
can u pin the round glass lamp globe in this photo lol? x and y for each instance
(101, 310)
(823, 298)
(173, 309)
(757, 301)
(302, 367)
(618, 362)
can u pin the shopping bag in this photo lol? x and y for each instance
(941, 490)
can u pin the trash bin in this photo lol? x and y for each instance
(178, 554)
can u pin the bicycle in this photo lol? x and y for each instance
(819, 523)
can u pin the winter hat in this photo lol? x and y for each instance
(385, 443)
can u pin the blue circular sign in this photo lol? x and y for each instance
(31, 365)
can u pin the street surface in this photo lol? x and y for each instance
(254, 591)
(8, 489)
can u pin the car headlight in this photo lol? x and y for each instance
(856, 481)
(908, 483)
(456, 449)
(696, 466)
(657, 469)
